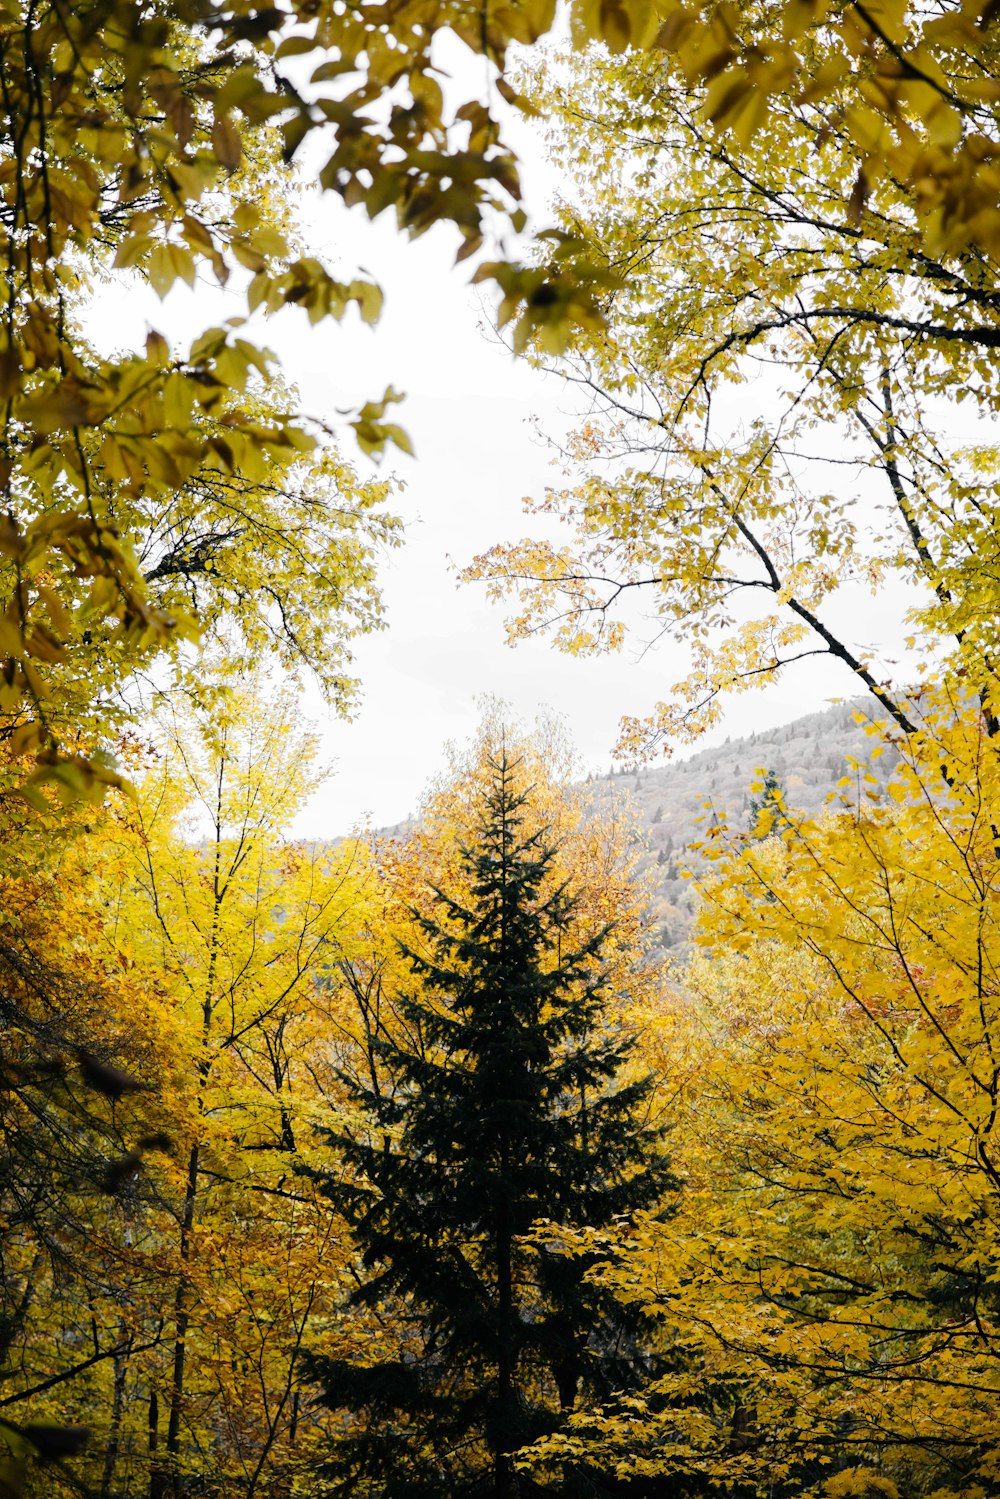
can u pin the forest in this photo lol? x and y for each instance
(428, 1163)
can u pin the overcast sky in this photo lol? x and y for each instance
(472, 411)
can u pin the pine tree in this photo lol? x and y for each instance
(511, 1111)
(766, 812)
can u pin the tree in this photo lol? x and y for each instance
(910, 90)
(766, 812)
(239, 926)
(152, 495)
(157, 142)
(147, 489)
(833, 1258)
(504, 1119)
(81, 1120)
(162, 1264)
(765, 416)
(831, 1273)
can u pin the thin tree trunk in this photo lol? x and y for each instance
(157, 1478)
(182, 1319)
(117, 1406)
(182, 1311)
(505, 1473)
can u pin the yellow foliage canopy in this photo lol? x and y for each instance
(829, 1280)
(164, 1261)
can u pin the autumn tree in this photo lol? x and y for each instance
(148, 491)
(74, 1127)
(831, 1263)
(240, 924)
(163, 1284)
(158, 141)
(801, 297)
(768, 402)
(909, 90)
(81, 1120)
(505, 1114)
(157, 494)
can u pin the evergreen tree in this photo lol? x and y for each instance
(766, 812)
(510, 1111)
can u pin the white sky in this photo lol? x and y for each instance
(469, 410)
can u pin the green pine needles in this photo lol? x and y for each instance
(511, 1111)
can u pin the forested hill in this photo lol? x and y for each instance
(673, 802)
(809, 757)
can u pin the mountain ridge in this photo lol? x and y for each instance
(675, 802)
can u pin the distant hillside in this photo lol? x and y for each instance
(809, 757)
(668, 801)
